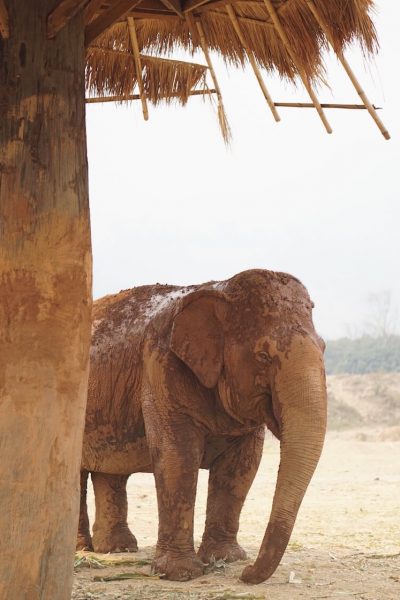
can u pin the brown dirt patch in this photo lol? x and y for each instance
(346, 542)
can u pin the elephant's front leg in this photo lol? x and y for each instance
(110, 530)
(231, 476)
(176, 451)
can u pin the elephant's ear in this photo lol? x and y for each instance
(197, 335)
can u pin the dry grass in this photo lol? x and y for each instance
(348, 21)
(113, 72)
(95, 561)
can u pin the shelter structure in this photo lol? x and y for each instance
(46, 48)
(289, 37)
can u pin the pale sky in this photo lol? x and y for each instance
(171, 204)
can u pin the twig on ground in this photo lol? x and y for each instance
(122, 576)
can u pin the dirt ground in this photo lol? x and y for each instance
(346, 542)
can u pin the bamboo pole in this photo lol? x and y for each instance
(116, 12)
(207, 56)
(331, 105)
(370, 107)
(138, 64)
(130, 97)
(191, 24)
(221, 111)
(285, 40)
(91, 10)
(61, 15)
(249, 52)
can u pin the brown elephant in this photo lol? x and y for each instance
(184, 378)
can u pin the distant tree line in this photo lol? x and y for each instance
(366, 354)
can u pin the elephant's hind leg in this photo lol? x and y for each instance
(84, 541)
(231, 476)
(110, 530)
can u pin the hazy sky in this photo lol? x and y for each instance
(171, 204)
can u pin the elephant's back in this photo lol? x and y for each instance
(124, 317)
(119, 327)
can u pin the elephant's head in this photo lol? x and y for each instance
(252, 339)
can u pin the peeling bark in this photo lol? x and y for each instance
(45, 300)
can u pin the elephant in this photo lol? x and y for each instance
(183, 378)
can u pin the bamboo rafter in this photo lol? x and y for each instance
(136, 54)
(282, 34)
(62, 14)
(223, 121)
(131, 97)
(371, 109)
(99, 25)
(324, 105)
(236, 25)
(91, 9)
(174, 5)
(4, 24)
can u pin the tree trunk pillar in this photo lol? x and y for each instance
(45, 300)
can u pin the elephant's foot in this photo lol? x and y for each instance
(216, 550)
(84, 541)
(118, 539)
(177, 567)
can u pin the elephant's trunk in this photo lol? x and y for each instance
(300, 407)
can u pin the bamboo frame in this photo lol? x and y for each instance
(191, 23)
(370, 107)
(221, 111)
(61, 15)
(285, 40)
(204, 47)
(138, 64)
(191, 5)
(139, 13)
(324, 105)
(257, 73)
(91, 10)
(107, 18)
(4, 24)
(130, 97)
(175, 6)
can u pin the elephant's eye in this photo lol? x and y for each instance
(263, 357)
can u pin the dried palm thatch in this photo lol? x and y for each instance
(288, 37)
(349, 20)
(113, 72)
(111, 69)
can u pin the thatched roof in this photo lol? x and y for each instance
(288, 37)
(113, 72)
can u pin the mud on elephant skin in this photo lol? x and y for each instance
(183, 378)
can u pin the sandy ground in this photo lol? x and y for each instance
(346, 542)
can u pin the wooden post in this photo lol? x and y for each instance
(221, 111)
(45, 301)
(285, 40)
(239, 33)
(138, 64)
(4, 28)
(321, 22)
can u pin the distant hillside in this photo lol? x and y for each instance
(363, 355)
(364, 401)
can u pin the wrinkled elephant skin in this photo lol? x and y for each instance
(184, 378)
